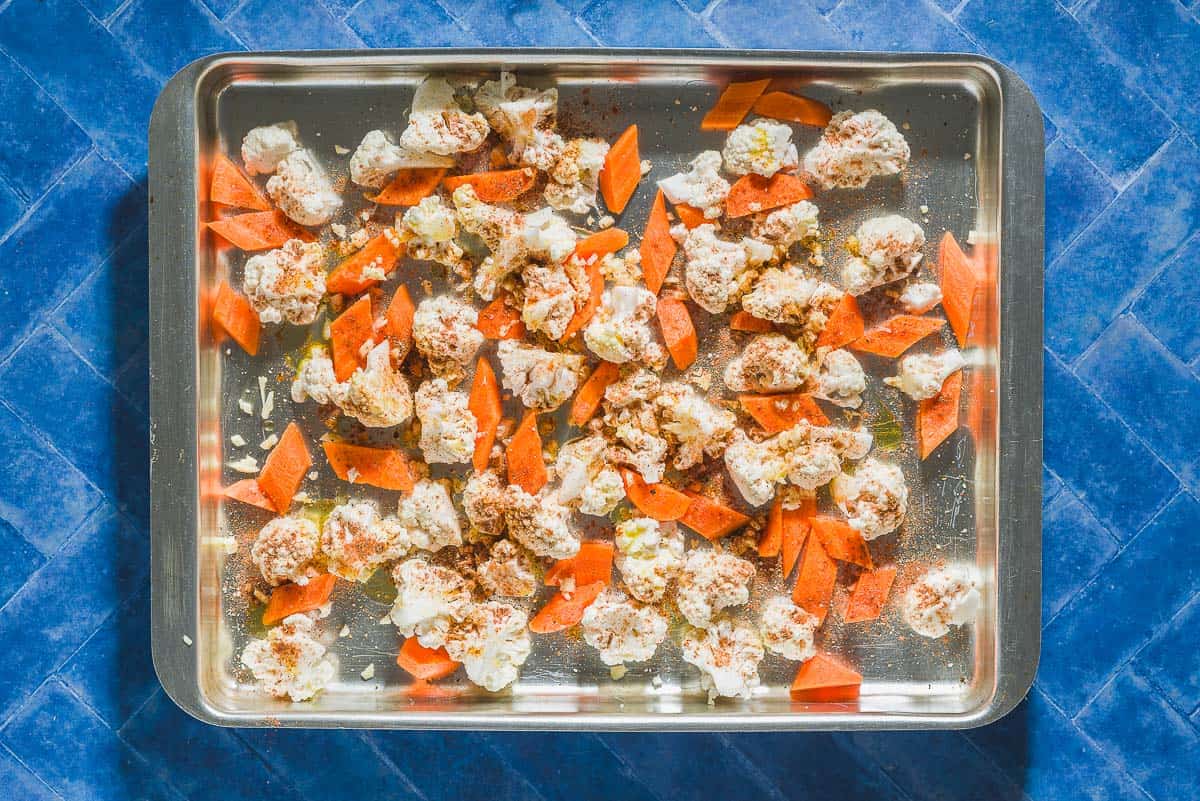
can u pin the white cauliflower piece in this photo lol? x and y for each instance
(649, 556)
(640, 386)
(586, 479)
(547, 236)
(789, 296)
(942, 597)
(888, 249)
(501, 230)
(841, 380)
(540, 523)
(622, 629)
(701, 186)
(805, 455)
(709, 582)
(447, 426)
(781, 228)
(430, 518)
(552, 294)
(856, 147)
(524, 118)
(377, 157)
(768, 363)
(696, 427)
(920, 296)
(541, 379)
(712, 268)
(302, 190)
(507, 572)
(788, 630)
(267, 145)
(356, 541)
(575, 176)
(429, 599)
(290, 662)
(430, 228)
(492, 642)
(438, 125)
(638, 443)
(315, 378)
(727, 653)
(286, 283)
(445, 334)
(285, 550)
(619, 331)
(762, 147)
(377, 395)
(483, 503)
(874, 499)
(922, 374)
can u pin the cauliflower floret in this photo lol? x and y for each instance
(483, 502)
(315, 378)
(377, 157)
(540, 523)
(285, 550)
(696, 426)
(430, 227)
(619, 331)
(649, 555)
(623, 270)
(430, 518)
(855, 147)
(727, 653)
(782, 228)
(638, 443)
(542, 380)
(788, 630)
(841, 380)
(438, 125)
(762, 147)
(377, 395)
(874, 499)
(769, 363)
(921, 375)
(888, 249)
(805, 455)
(640, 386)
(357, 541)
(507, 572)
(576, 176)
(267, 145)
(429, 599)
(302, 190)
(447, 426)
(445, 334)
(788, 296)
(701, 186)
(524, 118)
(920, 296)
(547, 236)
(552, 293)
(942, 597)
(287, 283)
(622, 629)
(586, 479)
(291, 661)
(709, 582)
(501, 231)
(492, 642)
(712, 268)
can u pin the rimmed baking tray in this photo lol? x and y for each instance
(977, 141)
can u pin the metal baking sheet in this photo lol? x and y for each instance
(976, 137)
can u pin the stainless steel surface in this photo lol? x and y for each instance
(976, 136)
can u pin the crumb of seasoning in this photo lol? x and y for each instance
(906, 126)
(187, 641)
(313, 475)
(924, 209)
(618, 672)
(368, 672)
(246, 405)
(966, 156)
(345, 632)
(341, 151)
(237, 440)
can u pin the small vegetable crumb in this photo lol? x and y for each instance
(341, 151)
(606, 221)
(268, 405)
(368, 672)
(187, 641)
(345, 632)
(313, 475)
(971, 237)
(924, 209)
(646, 166)
(352, 475)
(618, 672)
(656, 682)
(237, 440)
(966, 156)
(338, 229)
(246, 405)
(247, 464)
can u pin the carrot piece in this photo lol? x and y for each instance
(842, 541)
(234, 315)
(400, 313)
(793, 108)
(386, 468)
(231, 187)
(814, 583)
(777, 413)
(248, 491)
(292, 599)
(745, 321)
(498, 186)
(732, 106)
(960, 282)
(690, 216)
(584, 313)
(593, 563)
(484, 403)
(424, 664)
(622, 171)
(347, 333)
(658, 501)
(894, 336)
(822, 678)
(284, 468)
(772, 537)
(500, 320)
(587, 400)
(753, 193)
(561, 612)
(869, 595)
(679, 334)
(381, 252)
(845, 324)
(525, 466)
(711, 519)
(601, 244)
(409, 186)
(259, 230)
(658, 246)
(796, 526)
(937, 417)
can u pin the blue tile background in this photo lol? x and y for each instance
(1115, 712)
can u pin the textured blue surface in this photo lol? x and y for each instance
(1115, 712)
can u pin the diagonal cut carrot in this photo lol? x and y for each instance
(896, 335)
(386, 468)
(824, 679)
(658, 501)
(561, 612)
(498, 186)
(500, 319)
(233, 314)
(248, 491)
(937, 417)
(409, 186)
(484, 404)
(796, 525)
(231, 187)
(622, 171)
(526, 468)
(400, 314)
(292, 599)
(711, 519)
(679, 335)
(658, 246)
(347, 335)
(960, 281)
(587, 400)
(259, 230)
(747, 322)
(284, 468)
(793, 108)
(731, 107)
(584, 313)
(869, 595)
(845, 324)
(593, 563)
(601, 244)
(379, 254)
(690, 216)
(841, 541)
(752, 193)
(813, 591)
(425, 664)
(777, 413)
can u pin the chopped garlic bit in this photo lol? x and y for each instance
(237, 440)
(268, 405)
(368, 672)
(618, 672)
(313, 475)
(345, 632)
(247, 464)
(187, 641)
(246, 405)
(341, 151)
(269, 442)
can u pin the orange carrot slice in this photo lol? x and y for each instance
(525, 466)
(500, 320)
(793, 108)
(753, 193)
(584, 313)
(824, 679)
(593, 563)
(622, 171)
(795, 525)
(745, 321)
(347, 334)
(381, 252)
(400, 314)
(284, 468)
(234, 315)
(292, 599)
(732, 106)
(960, 282)
(690, 216)
(409, 186)
(777, 413)
(248, 491)
(484, 403)
(894, 336)
(601, 244)
(424, 664)
(711, 519)
(679, 334)
(845, 324)
(561, 612)
(386, 468)
(869, 595)
(499, 186)
(231, 187)
(841, 541)
(772, 537)
(658, 246)
(658, 501)
(814, 583)
(587, 400)
(937, 417)
(259, 230)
